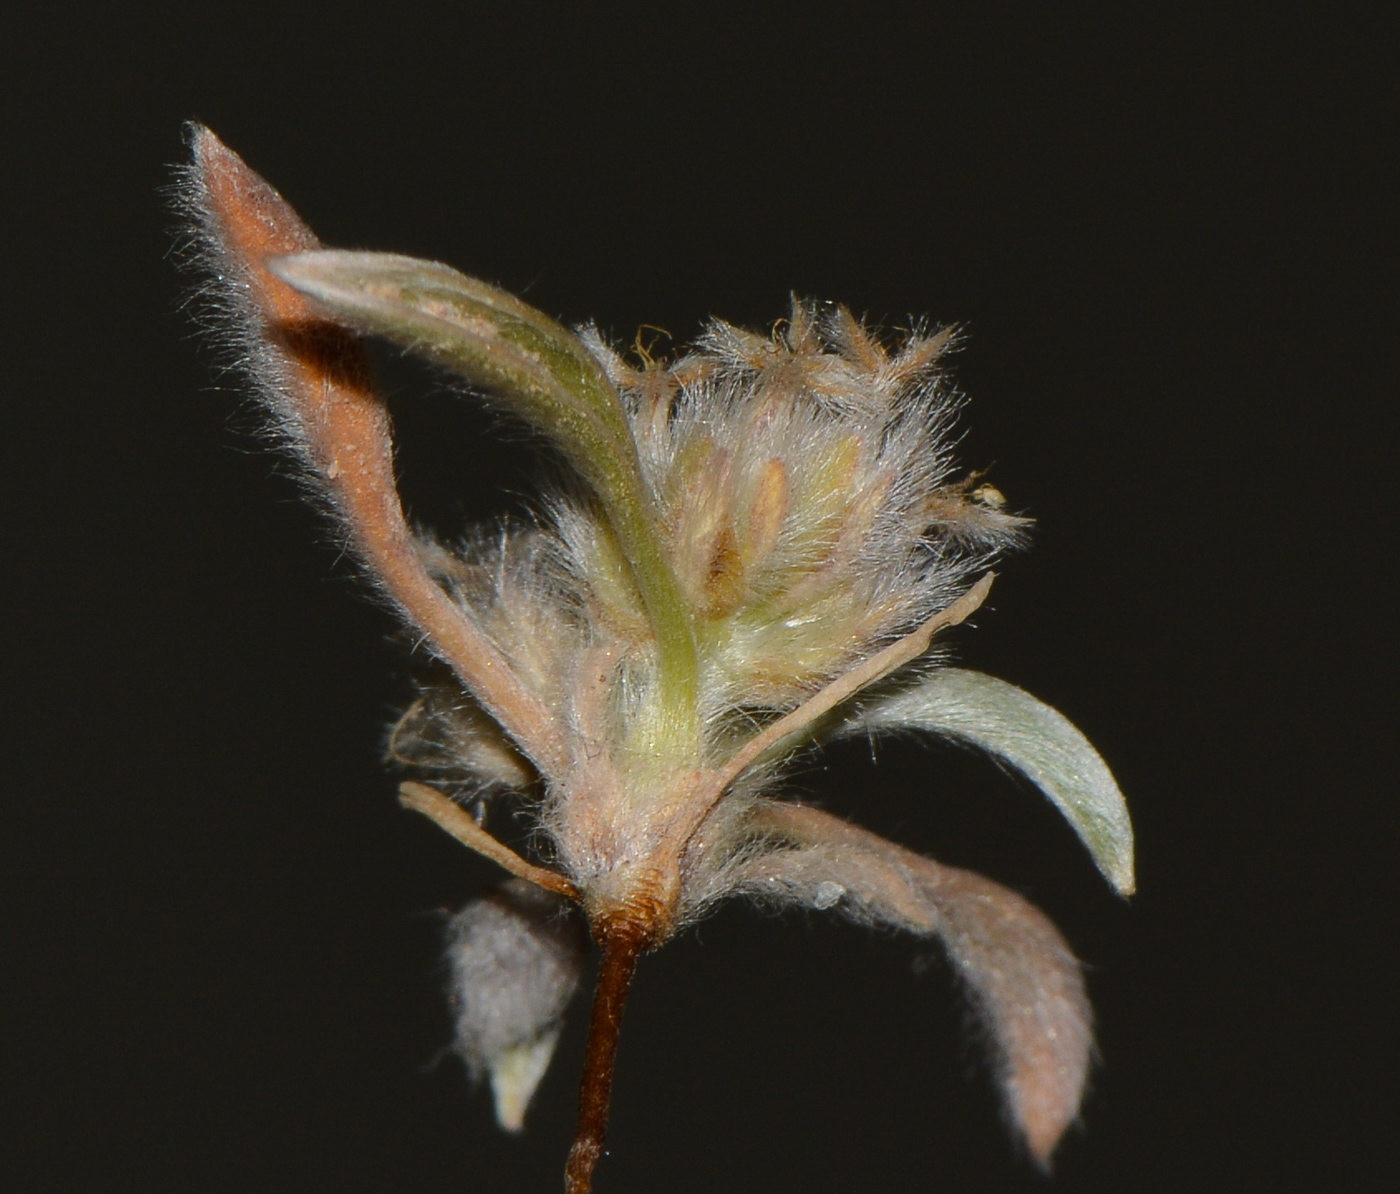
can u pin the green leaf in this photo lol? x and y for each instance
(1030, 736)
(539, 370)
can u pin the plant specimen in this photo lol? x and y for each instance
(759, 545)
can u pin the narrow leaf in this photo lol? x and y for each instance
(1023, 979)
(1030, 736)
(528, 361)
(536, 368)
(314, 378)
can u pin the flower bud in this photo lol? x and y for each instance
(515, 958)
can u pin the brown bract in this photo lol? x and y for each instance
(315, 376)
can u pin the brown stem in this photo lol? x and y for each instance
(623, 942)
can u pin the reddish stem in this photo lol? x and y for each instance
(623, 942)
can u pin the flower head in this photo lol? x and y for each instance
(761, 542)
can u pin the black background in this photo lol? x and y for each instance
(1169, 236)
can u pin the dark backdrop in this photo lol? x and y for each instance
(1169, 238)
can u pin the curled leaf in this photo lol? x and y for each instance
(532, 364)
(314, 379)
(1023, 980)
(1030, 736)
(536, 368)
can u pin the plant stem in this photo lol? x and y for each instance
(623, 942)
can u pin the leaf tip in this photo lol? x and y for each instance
(1116, 861)
(1045, 1085)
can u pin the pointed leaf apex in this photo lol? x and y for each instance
(1030, 736)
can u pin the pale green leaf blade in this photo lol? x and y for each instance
(529, 362)
(1028, 735)
(542, 372)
